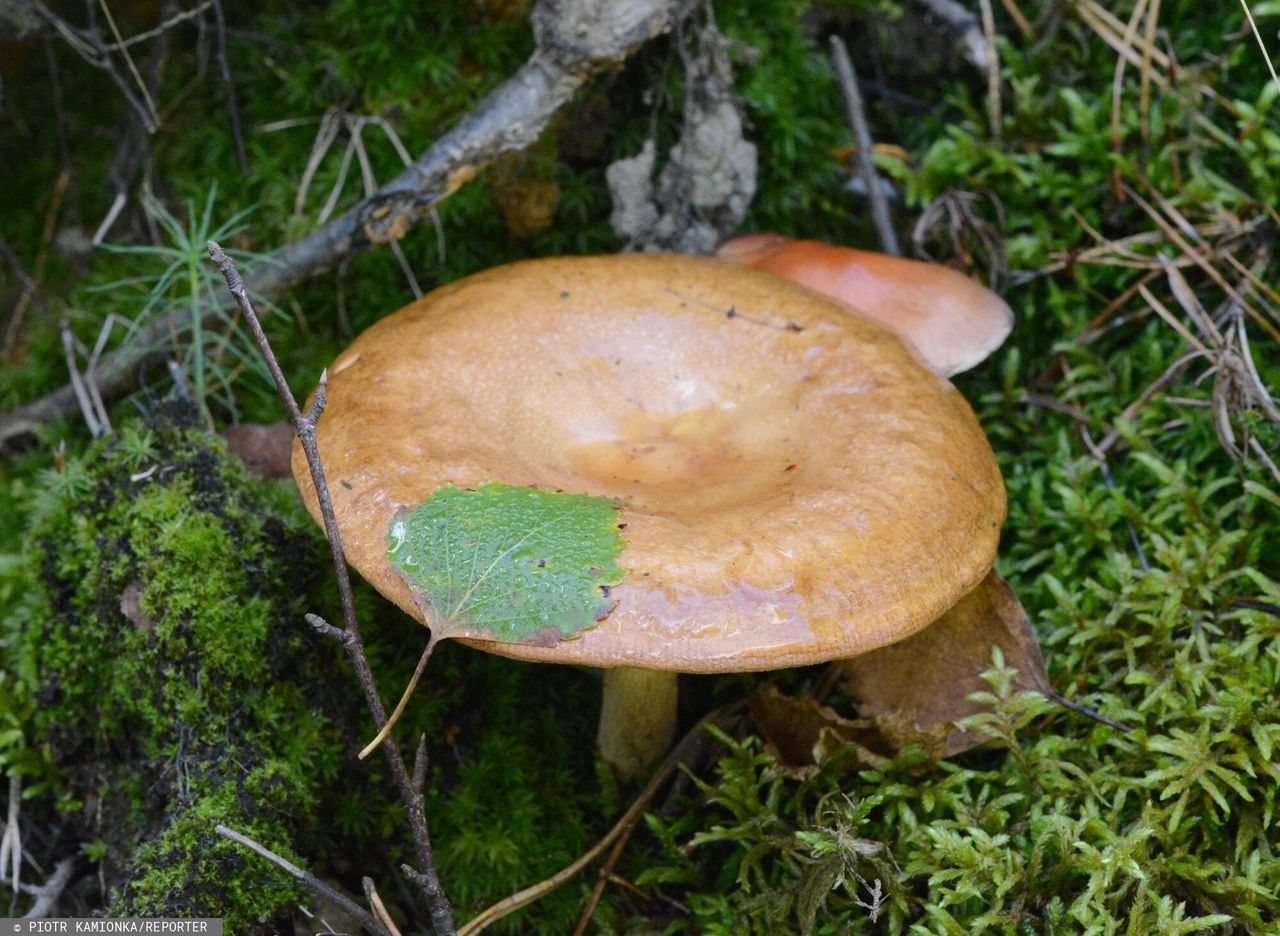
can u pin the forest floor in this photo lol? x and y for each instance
(1112, 174)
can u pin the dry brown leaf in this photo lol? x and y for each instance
(525, 192)
(264, 449)
(922, 682)
(801, 734)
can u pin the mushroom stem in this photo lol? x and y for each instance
(637, 719)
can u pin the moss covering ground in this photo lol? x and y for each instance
(1154, 592)
(173, 689)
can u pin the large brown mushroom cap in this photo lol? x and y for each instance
(797, 487)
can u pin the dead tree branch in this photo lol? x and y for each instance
(233, 112)
(574, 40)
(47, 894)
(848, 81)
(89, 45)
(349, 635)
(308, 880)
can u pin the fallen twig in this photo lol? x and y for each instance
(48, 893)
(176, 19)
(132, 138)
(307, 880)
(573, 41)
(379, 908)
(848, 81)
(349, 635)
(233, 112)
(994, 109)
(133, 68)
(31, 284)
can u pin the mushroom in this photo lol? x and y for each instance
(794, 486)
(952, 320)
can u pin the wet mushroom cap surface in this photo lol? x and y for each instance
(795, 486)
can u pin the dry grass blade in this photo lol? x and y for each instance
(993, 69)
(1119, 252)
(336, 192)
(1261, 45)
(1144, 92)
(1019, 20)
(1263, 457)
(31, 285)
(1159, 308)
(1256, 282)
(1102, 323)
(1181, 290)
(955, 221)
(1196, 257)
(1265, 401)
(379, 908)
(1117, 80)
(1111, 31)
(623, 826)
(1237, 385)
(1158, 385)
(133, 68)
(330, 124)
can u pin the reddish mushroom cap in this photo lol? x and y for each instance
(952, 320)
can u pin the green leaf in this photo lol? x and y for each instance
(511, 564)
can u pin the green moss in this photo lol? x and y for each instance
(1065, 826)
(162, 640)
(190, 870)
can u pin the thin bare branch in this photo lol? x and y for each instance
(848, 81)
(307, 880)
(993, 70)
(233, 112)
(47, 894)
(305, 426)
(573, 42)
(176, 20)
